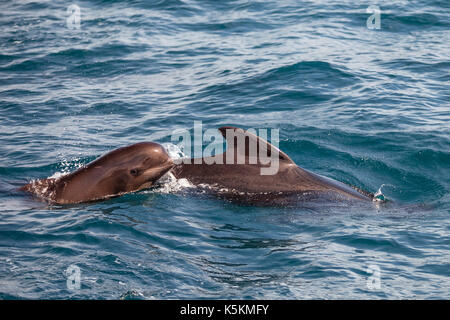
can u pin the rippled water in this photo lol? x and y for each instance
(366, 107)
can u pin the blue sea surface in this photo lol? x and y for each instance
(368, 107)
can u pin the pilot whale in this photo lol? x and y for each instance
(242, 180)
(120, 171)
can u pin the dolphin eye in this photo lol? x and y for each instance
(134, 172)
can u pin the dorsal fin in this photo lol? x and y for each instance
(233, 134)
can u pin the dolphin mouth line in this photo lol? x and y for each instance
(162, 169)
(169, 164)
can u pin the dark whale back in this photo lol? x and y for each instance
(246, 181)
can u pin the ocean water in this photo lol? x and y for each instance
(365, 106)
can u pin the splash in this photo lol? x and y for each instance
(58, 175)
(168, 183)
(67, 166)
(379, 196)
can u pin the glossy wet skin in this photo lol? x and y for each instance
(245, 180)
(120, 171)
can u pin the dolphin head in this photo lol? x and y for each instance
(134, 167)
(144, 164)
(120, 171)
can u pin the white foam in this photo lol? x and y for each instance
(58, 175)
(68, 165)
(379, 196)
(168, 184)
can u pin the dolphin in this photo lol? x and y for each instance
(120, 171)
(242, 180)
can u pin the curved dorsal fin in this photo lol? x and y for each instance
(252, 142)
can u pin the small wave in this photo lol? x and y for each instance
(132, 295)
